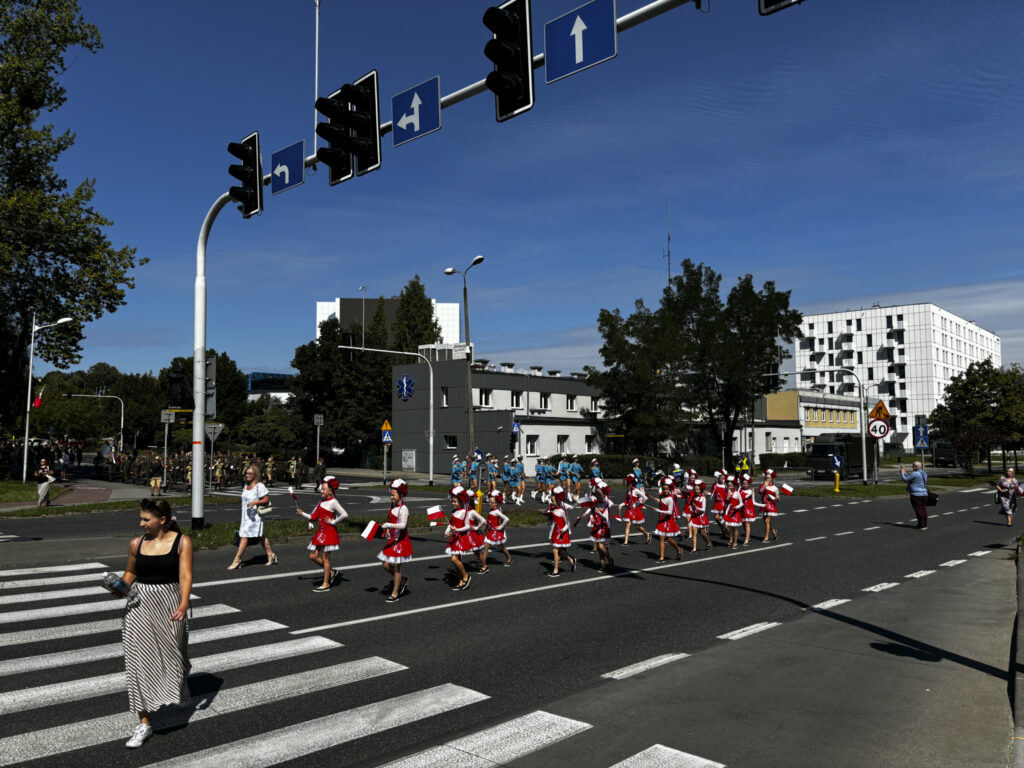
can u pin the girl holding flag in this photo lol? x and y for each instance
(667, 526)
(398, 548)
(596, 507)
(634, 504)
(497, 522)
(769, 504)
(464, 534)
(560, 530)
(733, 511)
(720, 500)
(329, 513)
(699, 514)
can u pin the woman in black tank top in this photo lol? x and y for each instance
(154, 631)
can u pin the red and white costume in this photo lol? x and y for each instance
(397, 546)
(769, 497)
(749, 510)
(599, 522)
(329, 513)
(667, 525)
(719, 497)
(465, 537)
(497, 522)
(635, 505)
(734, 511)
(560, 528)
(699, 509)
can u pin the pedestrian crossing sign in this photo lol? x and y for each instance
(879, 412)
(385, 436)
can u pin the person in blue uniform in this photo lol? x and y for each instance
(563, 472)
(456, 470)
(575, 475)
(595, 470)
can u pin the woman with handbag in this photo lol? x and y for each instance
(917, 489)
(44, 479)
(254, 496)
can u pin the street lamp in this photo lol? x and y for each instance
(28, 401)
(469, 360)
(362, 289)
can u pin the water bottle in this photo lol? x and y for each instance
(115, 583)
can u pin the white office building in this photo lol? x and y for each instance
(904, 355)
(352, 311)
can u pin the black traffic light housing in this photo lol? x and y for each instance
(249, 172)
(511, 50)
(352, 130)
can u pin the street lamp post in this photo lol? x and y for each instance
(362, 289)
(28, 401)
(469, 359)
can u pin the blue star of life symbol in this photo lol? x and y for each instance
(405, 386)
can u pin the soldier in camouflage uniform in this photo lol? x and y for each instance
(270, 470)
(319, 472)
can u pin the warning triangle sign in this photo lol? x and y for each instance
(386, 426)
(879, 411)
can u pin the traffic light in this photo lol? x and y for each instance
(511, 50)
(211, 385)
(765, 7)
(352, 130)
(249, 172)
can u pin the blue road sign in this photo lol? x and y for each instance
(580, 39)
(416, 112)
(286, 167)
(385, 436)
(837, 462)
(921, 437)
(515, 427)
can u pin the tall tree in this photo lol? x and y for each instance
(55, 259)
(971, 413)
(414, 318)
(232, 387)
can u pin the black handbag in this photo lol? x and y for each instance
(933, 499)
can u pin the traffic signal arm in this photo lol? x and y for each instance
(249, 172)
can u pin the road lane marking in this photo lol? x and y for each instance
(52, 569)
(962, 510)
(88, 733)
(980, 553)
(844, 533)
(60, 594)
(879, 587)
(88, 687)
(643, 666)
(753, 629)
(660, 756)
(570, 582)
(291, 742)
(499, 745)
(951, 563)
(829, 604)
(918, 574)
(821, 507)
(817, 538)
(63, 611)
(837, 505)
(872, 528)
(948, 513)
(799, 510)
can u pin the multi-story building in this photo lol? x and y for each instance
(525, 412)
(786, 421)
(353, 311)
(904, 355)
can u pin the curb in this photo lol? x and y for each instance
(1017, 672)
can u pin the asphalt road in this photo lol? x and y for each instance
(515, 641)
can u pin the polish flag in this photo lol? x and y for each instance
(38, 402)
(436, 515)
(588, 501)
(787, 489)
(292, 492)
(370, 531)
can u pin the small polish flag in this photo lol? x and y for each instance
(38, 402)
(370, 531)
(588, 501)
(616, 515)
(787, 489)
(292, 492)
(436, 515)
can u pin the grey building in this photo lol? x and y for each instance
(524, 412)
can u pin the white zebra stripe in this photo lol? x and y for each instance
(499, 745)
(753, 629)
(284, 744)
(63, 611)
(88, 733)
(85, 688)
(59, 594)
(52, 569)
(114, 650)
(96, 627)
(660, 756)
(50, 581)
(824, 606)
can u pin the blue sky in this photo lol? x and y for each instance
(852, 152)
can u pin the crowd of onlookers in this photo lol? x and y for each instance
(61, 455)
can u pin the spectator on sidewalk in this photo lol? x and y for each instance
(917, 487)
(1007, 490)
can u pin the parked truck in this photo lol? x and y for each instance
(820, 452)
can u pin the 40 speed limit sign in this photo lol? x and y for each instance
(878, 428)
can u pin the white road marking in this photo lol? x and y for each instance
(88, 733)
(882, 586)
(114, 650)
(947, 513)
(872, 528)
(50, 581)
(499, 745)
(844, 533)
(829, 604)
(643, 666)
(918, 574)
(52, 569)
(962, 510)
(59, 594)
(569, 582)
(980, 553)
(817, 538)
(951, 563)
(94, 627)
(824, 507)
(753, 629)
(292, 742)
(976, 490)
(87, 687)
(799, 510)
(660, 756)
(837, 505)
(63, 611)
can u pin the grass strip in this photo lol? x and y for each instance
(12, 491)
(102, 506)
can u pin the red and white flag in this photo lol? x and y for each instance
(38, 402)
(370, 531)
(787, 489)
(588, 501)
(292, 492)
(436, 515)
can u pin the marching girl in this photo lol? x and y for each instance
(684, 493)
(634, 504)
(560, 530)
(749, 508)
(769, 504)
(398, 548)
(719, 501)
(733, 515)
(329, 513)
(497, 522)
(464, 534)
(667, 528)
(699, 514)
(599, 523)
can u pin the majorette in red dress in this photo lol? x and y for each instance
(326, 536)
(769, 497)
(749, 510)
(667, 525)
(465, 541)
(398, 547)
(699, 510)
(719, 497)
(496, 522)
(559, 532)
(734, 513)
(635, 506)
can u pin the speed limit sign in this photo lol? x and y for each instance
(878, 428)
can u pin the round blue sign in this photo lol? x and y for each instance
(837, 462)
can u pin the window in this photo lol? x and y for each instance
(563, 443)
(830, 326)
(858, 325)
(444, 397)
(517, 399)
(570, 402)
(831, 416)
(531, 445)
(545, 401)
(451, 442)
(485, 398)
(810, 326)
(849, 323)
(869, 339)
(871, 373)
(590, 442)
(831, 359)
(860, 356)
(888, 321)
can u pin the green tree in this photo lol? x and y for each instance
(971, 413)
(276, 428)
(414, 318)
(232, 387)
(694, 358)
(55, 259)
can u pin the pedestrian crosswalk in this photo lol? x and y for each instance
(260, 697)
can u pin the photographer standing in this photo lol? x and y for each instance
(917, 487)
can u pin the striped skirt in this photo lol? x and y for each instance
(155, 648)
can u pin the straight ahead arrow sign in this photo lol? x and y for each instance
(577, 33)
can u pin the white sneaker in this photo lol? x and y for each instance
(139, 736)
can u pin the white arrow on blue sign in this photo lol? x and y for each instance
(921, 436)
(385, 436)
(580, 39)
(416, 111)
(286, 167)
